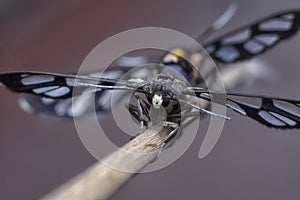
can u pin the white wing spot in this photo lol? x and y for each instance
(227, 53)
(25, 105)
(71, 82)
(287, 107)
(58, 92)
(80, 105)
(283, 118)
(268, 39)
(47, 101)
(37, 79)
(62, 107)
(275, 25)
(127, 61)
(236, 108)
(238, 37)
(252, 105)
(253, 47)
(44, 89)
(271, 119)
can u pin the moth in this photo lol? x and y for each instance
(51, 93)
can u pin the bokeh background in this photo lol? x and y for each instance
(38, 154)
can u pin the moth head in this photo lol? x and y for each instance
(159, 98)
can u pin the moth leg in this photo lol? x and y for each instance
(143, 109)
(172, 133)
(138, 111)
(145, 106)
(132, 110)
(140, 114)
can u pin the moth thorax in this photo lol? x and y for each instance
(173, 56)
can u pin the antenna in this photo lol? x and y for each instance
(219, 23)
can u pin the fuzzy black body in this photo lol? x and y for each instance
(166, 86)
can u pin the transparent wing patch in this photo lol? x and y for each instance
(98, 102)
(49, 93)
(270, 111)
(254, 39)
(56, 86)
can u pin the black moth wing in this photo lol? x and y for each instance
(52, 85)
(270, 111)
(77, 106)
(49, 93)
(254, 39)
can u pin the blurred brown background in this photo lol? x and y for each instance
(37, 154)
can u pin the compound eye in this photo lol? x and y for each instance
(150, 97)
(165, 102)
